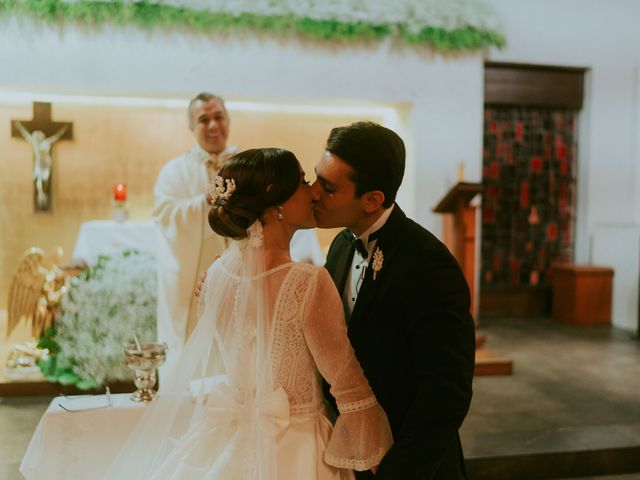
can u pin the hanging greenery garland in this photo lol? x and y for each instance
(445, 25)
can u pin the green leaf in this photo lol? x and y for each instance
(49, 332)
(49, 344)
(68, 378)
(86, 385)
(47, 366)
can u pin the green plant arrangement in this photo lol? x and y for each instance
(445, 25)
(105, 305)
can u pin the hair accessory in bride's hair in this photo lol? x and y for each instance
(222, 188)
(256, 237)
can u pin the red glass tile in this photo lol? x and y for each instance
(514, 264)
(519, 131)
(542, 258)
(559, 121)
(496, 260)
(524, 193)
(536, 164)
(488, 214)
(564, 167)
(534, 277)
(495, 169)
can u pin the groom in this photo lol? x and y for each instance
(406, 303)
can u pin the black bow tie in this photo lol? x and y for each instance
(358, 244)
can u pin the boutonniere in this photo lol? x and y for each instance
(378, 258)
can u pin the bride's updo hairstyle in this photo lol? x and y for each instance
(264, 177)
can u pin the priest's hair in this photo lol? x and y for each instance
(204, 97)
(264, 177)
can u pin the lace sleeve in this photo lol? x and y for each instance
(361, 435)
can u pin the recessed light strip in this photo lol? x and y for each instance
(387, 115)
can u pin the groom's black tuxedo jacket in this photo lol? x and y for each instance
(414, 337)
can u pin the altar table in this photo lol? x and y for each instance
(108, 237)
(76, 445)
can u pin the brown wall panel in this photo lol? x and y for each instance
(533, 85)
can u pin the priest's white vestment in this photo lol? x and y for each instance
(186, 244)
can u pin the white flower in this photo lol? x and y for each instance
(101, 312)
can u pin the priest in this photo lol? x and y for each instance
(187, 245)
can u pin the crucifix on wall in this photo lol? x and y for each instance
(41, 133)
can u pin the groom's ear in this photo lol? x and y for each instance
(372, 201)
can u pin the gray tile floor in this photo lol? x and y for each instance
(19, 417)
(573, 387)
(565, 377)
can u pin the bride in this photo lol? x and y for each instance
(245, 399)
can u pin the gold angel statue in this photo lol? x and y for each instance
(36, 290)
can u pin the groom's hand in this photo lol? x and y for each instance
(198, 290)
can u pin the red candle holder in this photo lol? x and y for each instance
(120, 192)
(120, 204)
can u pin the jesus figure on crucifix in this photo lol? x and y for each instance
(42, 162)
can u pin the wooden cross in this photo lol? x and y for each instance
(42, 121)
(42, 132)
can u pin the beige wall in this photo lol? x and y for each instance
(127, 144)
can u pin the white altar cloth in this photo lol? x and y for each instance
(76, 445)
(108, 237)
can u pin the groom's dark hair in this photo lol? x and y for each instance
(376, 155)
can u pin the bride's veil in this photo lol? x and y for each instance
(208, 418)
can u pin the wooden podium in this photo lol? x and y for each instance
(460, 230)
(460, 234)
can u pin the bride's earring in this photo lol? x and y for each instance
(280, 215)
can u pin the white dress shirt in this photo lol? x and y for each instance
(360, 264)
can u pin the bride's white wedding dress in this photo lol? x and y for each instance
(245, 400)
